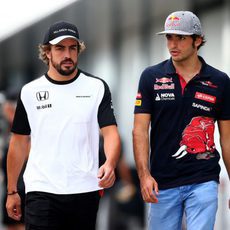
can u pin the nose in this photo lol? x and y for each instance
(172, 43)
(67, 53)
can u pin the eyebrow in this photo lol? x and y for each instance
(62, 46)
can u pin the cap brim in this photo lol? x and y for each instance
(59, 39)
(180, 32)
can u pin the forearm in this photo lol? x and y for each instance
(16, 156)
(225, 145)
(141, 152)
(224, 129)
(112, 146)
(112, 149)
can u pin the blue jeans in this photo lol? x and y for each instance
(197, 201)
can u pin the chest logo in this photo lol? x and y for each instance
(164, 83)
(164, 80)
(165, 97)
(209, 84)
(42, 95)
(205, 97)
(202, 107)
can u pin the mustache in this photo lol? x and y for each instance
(67, 60)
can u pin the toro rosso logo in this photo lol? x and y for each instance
(209, 84)
(198, 138)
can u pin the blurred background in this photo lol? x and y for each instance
(121, 42)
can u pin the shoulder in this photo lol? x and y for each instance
(34, 83)
(90, 78)
(216, 72)
(219, 78)
(157, 70)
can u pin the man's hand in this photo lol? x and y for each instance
(149, 189)
(13, 206)
(106, 176)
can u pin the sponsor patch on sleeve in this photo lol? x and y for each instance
(139, 96)
(138, 102)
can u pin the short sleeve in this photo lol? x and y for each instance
(105, 111)
(144, 98)
(224, 113)
(20, 122)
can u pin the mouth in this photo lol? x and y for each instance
(67, 63)
(174, 52)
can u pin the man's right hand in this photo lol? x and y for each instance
(149, 189)
(13, 206)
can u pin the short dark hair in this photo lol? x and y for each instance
(195, 36)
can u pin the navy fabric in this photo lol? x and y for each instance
(176, 114)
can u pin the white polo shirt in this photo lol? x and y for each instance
(63, 119)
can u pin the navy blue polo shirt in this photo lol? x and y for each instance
(182, 122)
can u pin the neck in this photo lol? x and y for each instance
(52, 73)
(188, 68)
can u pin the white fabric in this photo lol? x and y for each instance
(64, 135)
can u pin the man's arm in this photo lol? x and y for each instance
(112, 148)
(224, 130)
(16, 157)
(141, 155)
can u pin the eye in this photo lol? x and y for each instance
(182, 37)
(73, 47)
(168, 36)
(58, 47)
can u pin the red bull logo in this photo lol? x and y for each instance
(164, 80)
(174, 18)
(173, 21)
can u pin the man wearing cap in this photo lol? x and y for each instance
(181, 99)
(62, 112)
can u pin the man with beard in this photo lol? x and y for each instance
(61, 114)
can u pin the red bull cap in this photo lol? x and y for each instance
(183, 23)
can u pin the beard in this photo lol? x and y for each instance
(68, 70)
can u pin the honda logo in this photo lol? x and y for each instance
(42, 95)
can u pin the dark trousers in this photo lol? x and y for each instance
(46, 211)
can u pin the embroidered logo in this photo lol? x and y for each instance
(138, 103)
(165, 97)
(139, 95)
(205, 97)
(202, 107)
(42, 95)
(209, 84)
(164, 83)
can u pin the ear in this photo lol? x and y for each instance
(198, 41)
(48, 54)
